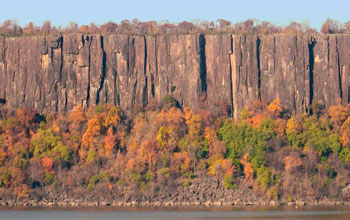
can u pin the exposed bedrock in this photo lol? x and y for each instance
(54, 74)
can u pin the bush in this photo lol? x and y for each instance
(229, 183)
(169, 101)
(50, 178)
(264, 177)
(345, 155)
(102, 176)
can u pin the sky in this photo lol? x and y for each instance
(279, 12)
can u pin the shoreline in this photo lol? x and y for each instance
(204, 192)
(146, 204)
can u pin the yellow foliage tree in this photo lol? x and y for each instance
(194, 123)
(113, 117)
(164, 136)
(93, 129)
(275, 107)
(172, 118)
(293, 126)
(345, 133)
(110, 142)
(338, 114)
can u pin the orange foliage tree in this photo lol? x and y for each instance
(275, 108)
(248, 168)
(345, 133)
(338, 114)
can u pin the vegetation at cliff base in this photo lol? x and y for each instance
(103, 152)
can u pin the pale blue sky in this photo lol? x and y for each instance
(280, 12)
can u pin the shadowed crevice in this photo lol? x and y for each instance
(258, 66)
(311, 46)
(203, 64)
(231, 86)
(145, 88)
(339, 70)
(103, 72)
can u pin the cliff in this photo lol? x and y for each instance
(54, 74)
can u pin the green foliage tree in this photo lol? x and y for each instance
(45, 143)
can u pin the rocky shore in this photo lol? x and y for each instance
(203, 192)
(170, 203)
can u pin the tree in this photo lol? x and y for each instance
(46, 144)
(30, 29)
(338, 115)
(293, 130)
(255, 120)
(194, 123)
(180, 163)
(113, 117)
(109, 28)
(10, 28)
(331, 27)
(94, 127)
(223, 25)
(297, 28)
(78, 118)
(248, 168)
(47, 163)
(46, 28)
(345, 133)
(291, 162)
(110, 142)
(228, 170)
(71, 28)
(84, 29)
(275, 108)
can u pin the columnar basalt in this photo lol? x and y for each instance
(54, 74)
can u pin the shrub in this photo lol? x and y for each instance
(345, 155)
(264, 177)
(169, 101)
(229, 183)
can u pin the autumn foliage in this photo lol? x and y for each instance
(99, 150)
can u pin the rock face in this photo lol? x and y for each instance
(54, 74)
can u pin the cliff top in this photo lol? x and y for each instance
(135, 27)
(176, 34)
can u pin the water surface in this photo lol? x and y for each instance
(337, 213)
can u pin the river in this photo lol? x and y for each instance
(108, 213)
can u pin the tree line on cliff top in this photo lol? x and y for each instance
(135, 27)
(101, 151)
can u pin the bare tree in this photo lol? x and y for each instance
(46, 27)
(11, 28)
(331, 27)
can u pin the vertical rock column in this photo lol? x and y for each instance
(284, 61)
(343, 55)
(326, 89)
(244, 71)
(174, 68)
(218, 67)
